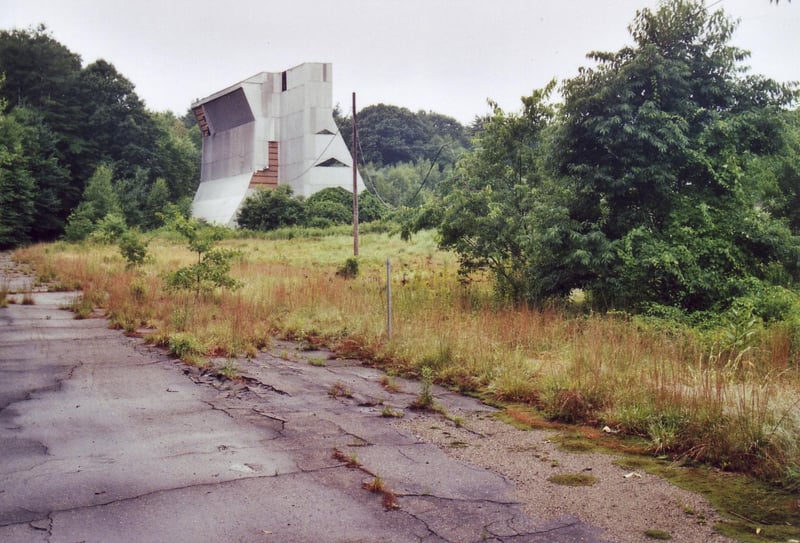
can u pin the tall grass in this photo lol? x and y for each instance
(724, 397)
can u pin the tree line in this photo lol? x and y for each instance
(63, 124)
(663, 178)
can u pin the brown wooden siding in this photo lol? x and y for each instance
(268, 177)
(200, 115)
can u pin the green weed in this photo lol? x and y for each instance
(229, 369)
(340, 390)
(185, 346)
(388, 412)
(573, 479)
(425, 399)
(657, 534)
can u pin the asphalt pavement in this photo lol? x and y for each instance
(106, 439)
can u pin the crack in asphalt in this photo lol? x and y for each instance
(270, 388)
(427, 526)
(283, 421)
(49, 514)
(220, 409)
(55, 386)
(43, 525)
(429, 496)
(358, 440)
(543, 531)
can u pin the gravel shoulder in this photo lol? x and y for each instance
(624, 503)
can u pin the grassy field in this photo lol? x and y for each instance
(726, 397)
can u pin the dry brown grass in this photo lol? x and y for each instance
(687, 393)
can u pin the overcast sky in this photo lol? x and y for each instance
(446, 56)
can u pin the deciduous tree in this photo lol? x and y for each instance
(657, 139)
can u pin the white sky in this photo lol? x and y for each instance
(446, 56)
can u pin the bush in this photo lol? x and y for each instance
(370, 209)
(79, 225)
(109, 229)
(329, 211)
(350, 269)
(335, 204)
(269, 209)
(185, 346)
(133, 249)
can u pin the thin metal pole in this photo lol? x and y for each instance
(355, 179)
(388, 298)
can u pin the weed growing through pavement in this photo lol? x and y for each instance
(27, 294)
(229, 369)
(5, 289)
(388, 412)
(424, 399)
(82, 307)
(340, 390)
(185, 346)
(350, 460)
(389, 384)
(375, 485)
(378, 486)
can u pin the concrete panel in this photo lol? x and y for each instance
(294, 125)
(292, 101)
(218, 200)
(318, 95)
(321, 118)
(229, 153)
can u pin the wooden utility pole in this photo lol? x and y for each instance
(355, 179)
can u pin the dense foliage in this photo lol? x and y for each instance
(666, 178)
(63, 121)
(390, 135)
(271, 209)
(493, 203)
(405, 154)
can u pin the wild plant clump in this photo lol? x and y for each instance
(212, 269)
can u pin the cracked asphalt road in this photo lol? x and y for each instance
(105, 439)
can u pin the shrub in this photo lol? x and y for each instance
(213, 264)
(79, 226)
(109, 229)
(269, 209)
(424, 399)
(133, 249)
(320, 211)
(334, 205)
(350, 269)
(185, 346)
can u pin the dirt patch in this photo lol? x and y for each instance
(629, 505)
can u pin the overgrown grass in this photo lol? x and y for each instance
(5, 289)
(725, 396)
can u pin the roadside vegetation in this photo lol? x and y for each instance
(724, 395)
(625, 260)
